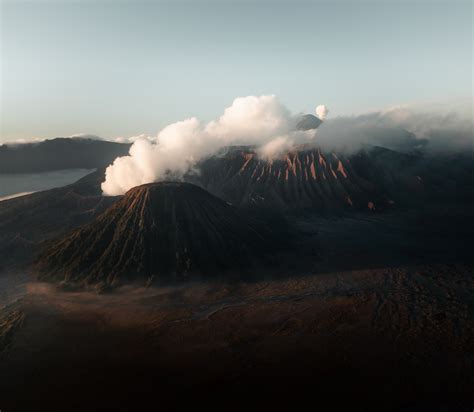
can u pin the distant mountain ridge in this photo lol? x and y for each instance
(79, 152)
(58, 154)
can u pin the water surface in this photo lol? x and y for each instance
(18, 184)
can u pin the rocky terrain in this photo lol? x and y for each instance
(371, 307)
(391, 338)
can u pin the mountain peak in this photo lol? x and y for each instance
(159, 230)
(308, 122)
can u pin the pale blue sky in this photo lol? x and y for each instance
(126, 68)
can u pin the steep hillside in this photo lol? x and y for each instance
(28, 220)
(159, 231)
(306, 179)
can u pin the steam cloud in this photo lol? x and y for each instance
(268, 125)
(260, 121)
(321, 111)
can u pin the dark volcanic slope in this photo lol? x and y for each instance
(59, 153)
(308, 122)
(311, 180)
(377, 175)
(27, 221)
(418, 179)
(304, 179)
(157, 230)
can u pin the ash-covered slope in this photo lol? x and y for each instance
(159, 230)
(417, 178)
(304, 179)
(27, 221)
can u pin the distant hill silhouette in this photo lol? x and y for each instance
(60, 153)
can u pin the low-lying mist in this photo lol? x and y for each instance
(403, 128)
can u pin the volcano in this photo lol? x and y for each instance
(308, 122)
(303, 179)
(157, 231)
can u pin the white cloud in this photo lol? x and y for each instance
(262, 121)
(321, 111)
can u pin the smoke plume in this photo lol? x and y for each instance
(321, 111)
(259, 121)
(270, 127)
